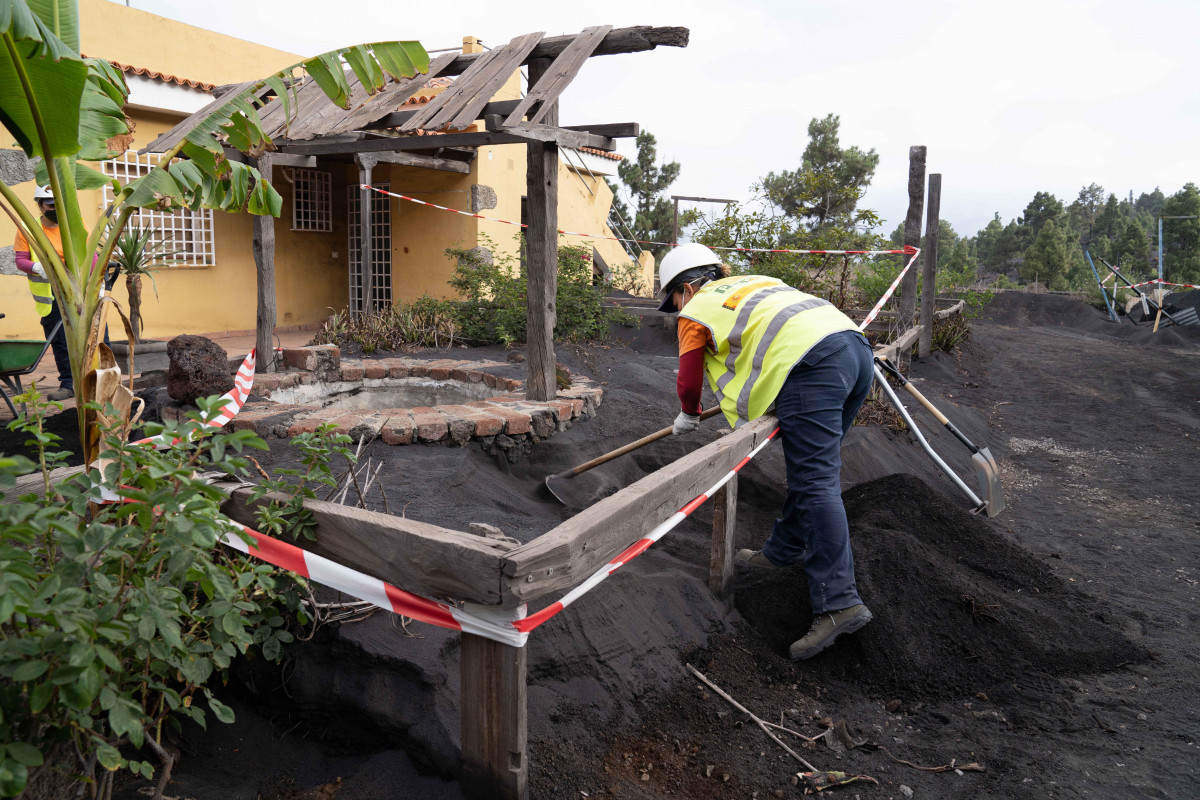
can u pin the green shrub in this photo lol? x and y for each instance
(493, 309)
(114, 618)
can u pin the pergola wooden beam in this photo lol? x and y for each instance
(415, 160)
(621, 40)
(563, 137)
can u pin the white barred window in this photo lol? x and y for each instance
(311, 192)
(189, 233)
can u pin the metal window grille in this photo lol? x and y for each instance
(311, 193)
(188, 233)
(381, 252)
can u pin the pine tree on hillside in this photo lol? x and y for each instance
(1046, 259)
(646, 180)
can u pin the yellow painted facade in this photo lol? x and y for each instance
(311, 268)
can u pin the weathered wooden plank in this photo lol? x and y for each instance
(561, 72)
(957, 308)
(621, 40)
(445, 140)
(720, 565)
(495, 726)
(897, 350)
(563, 137)
(264, 262)
(397, 119)
(501, 70)
(414, 160)
(541, 247)
(929, 268)
(613, 130)
(454, 96)
(34, 482)
(566, 555)
(415, 556)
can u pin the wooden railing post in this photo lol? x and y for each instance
(906, 303)
(494, 722)
(720, 571)
(929, 271)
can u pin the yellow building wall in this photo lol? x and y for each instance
(141, 39)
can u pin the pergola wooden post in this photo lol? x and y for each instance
(541, 246)
(366, 165)
(264, 261)
(495, 764)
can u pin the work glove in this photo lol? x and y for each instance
(38, 269)
(685, 423)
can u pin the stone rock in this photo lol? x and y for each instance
(906, 791)
(198, 368)
(516, 358)
(8, 262)
(483, 198)
(15, 167)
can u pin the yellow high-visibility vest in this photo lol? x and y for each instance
(762, 328)
(43, 295)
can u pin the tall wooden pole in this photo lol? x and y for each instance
(264, 262)
(494, 722)
(541, 242)
(365, 166)
(907, 304)
(929, 273)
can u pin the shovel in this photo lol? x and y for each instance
(559, 483)
(986, 470)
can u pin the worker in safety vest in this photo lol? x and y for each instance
(766, 345)
(39, 287)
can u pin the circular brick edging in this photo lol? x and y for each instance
(504, 423)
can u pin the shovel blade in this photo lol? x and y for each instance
(988, 474)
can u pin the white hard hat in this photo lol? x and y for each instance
(678, 261)
(43, 193)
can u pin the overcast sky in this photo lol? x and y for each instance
(1009, 97)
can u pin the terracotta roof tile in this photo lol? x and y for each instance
(602, 153)
(162, 76)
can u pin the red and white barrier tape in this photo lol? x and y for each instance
(888, 294)
(329, 573)
(637, 548)
(233, 401)
(1164, 283)
(906, 251)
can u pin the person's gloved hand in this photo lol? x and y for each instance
(38, 269)
(685, 423)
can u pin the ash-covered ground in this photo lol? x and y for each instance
(1055, 646)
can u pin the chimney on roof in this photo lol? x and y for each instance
(471, 44)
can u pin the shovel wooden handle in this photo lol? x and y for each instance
(629, 448)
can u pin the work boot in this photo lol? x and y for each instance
(753, 558)
(827, 627)
(61, 393)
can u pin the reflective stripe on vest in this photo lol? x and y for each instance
(43, 295)
(762, 328)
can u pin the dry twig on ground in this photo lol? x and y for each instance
(761, 724)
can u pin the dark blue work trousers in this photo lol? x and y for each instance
(62, 359)
(815, 407)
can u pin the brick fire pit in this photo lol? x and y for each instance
(502, 420)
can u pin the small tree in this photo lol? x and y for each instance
(646, 180)
(140, 251)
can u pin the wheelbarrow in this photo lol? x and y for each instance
(20, 357)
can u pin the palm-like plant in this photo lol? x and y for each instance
(140, 251)
(66, 108)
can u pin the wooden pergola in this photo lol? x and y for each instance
(372, 131)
